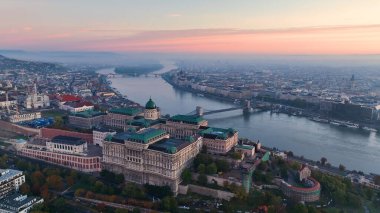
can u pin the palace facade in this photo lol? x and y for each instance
(65, 151)
(150, 156)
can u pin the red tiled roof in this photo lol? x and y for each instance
(68, 98)
(79, 104)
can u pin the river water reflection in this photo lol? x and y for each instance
(356, 149)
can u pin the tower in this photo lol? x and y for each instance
(352, 81)
(151, 111)
(35, 88)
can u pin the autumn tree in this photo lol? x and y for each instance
(55, 182)
(25, 188)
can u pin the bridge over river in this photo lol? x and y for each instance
(200, 111)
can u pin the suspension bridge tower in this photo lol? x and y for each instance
(199, 111)
(247, 107)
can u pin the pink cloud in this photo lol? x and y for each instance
(355, 39)
(27, 29)
(58, 36)
(174, 15)
(308, 40)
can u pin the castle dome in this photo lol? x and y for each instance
(150, 104)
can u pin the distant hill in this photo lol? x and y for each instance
(9, 64)
(138, 70)
(81, 58)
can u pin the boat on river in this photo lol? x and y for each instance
(369, 129)
(318, 119)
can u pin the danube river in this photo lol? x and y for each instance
(356, 149)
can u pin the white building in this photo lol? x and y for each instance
(75, 107)
(4, 103)
(85, 93)
(65, 151)
(24, 117)
(10, 180)
(10, 200)
(36, 101)
(18, 203)
(99, 135)
(66, 144)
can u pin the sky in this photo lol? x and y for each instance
(193, 26)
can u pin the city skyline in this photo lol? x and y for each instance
(291, 27)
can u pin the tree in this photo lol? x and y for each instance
(202, 179)
(158, 191)
(237, 155)
(45, 192)
(223, 165)
(37, 178)
(101, 207)
(80, 192)
(186, 176)
(300, 208)
(134, 191)
(136, 210)
(169, 204)
(263, 166)
(121, 211)
(211, 169)
(201, 168)
(240, 192)
(119, 178)
(70, 180)
(369, 193)
(25, 188)
(342, 168)
(98, 186)
(377, 179)
(58, 121)
(323, 161)
(59, 205)
(55, 182)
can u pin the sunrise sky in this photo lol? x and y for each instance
(192, 26)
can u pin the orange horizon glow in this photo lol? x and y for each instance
(193, 26)
(308, 40)
(323, 40)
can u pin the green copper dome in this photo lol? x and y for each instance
(150, 104)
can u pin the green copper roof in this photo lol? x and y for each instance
(126, 111)
(265, 157)
(191, 119)
(150, 104)
(248, 147)
(169, 145)
(142, 122)
(88, 114)
(217, 133)
(145, 136)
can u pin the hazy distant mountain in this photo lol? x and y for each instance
(139, 58)
(95, 58)
(29, 66)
